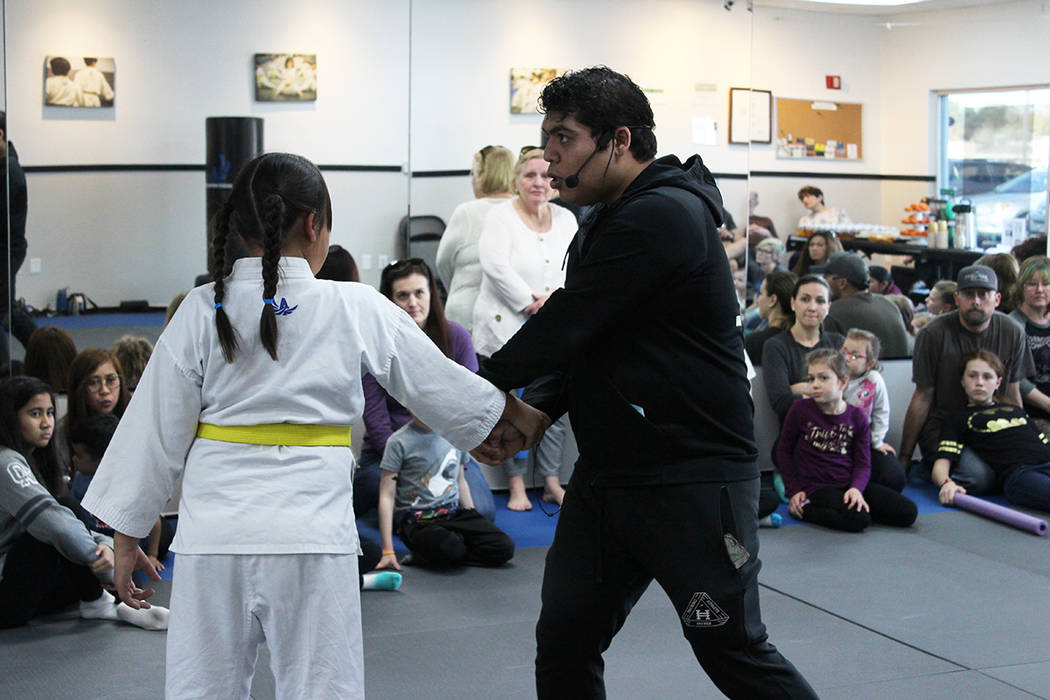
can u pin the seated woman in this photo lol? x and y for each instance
(1031, 297)
(774, 306)
(458, 263)
(1006, 271)
(411, 285)
(133, 352)
(49, 355)
(818, 248)
(48, 557)
(784, 372)
(521, 250)
(941, 298)
(820, 215)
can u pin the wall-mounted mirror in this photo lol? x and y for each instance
(117, 191)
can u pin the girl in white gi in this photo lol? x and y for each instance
(249, 395)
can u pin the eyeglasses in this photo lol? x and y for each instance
(484, 152)
(526, 149)
(853, 355)
(94, 384)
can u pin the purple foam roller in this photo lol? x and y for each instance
(1004, 515)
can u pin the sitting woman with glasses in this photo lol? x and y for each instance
(411, 285)
(491, 177)
(96, 386)
(1031, 299)
(522, 249)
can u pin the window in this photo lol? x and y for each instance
(995, 151)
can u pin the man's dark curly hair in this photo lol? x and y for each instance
(602, 99)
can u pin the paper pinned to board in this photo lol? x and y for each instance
(705, 130)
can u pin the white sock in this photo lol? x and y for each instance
(155, 618)
(104, 608)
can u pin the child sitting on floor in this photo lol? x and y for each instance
(424, 497)
(867, 391)
(825, 458)
(1000, 433)
(89, 438)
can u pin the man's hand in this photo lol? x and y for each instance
(130, 557)
(520, 427)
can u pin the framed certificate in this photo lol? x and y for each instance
(750, 116)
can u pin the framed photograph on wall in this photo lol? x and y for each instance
(79, 81)
(526, 84)
(750, 116)
(286, 77)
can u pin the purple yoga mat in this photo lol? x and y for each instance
(1002, 514)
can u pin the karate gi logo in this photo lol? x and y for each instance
(703, 612)
(20, 474)
(283, 309)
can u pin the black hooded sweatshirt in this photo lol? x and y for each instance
(643, 341)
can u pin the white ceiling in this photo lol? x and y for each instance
(881, 10)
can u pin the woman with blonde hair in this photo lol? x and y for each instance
(1031, 299)
(521, 251)
(491, 177)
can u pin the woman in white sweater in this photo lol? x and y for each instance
(491, 176)
(522, 248)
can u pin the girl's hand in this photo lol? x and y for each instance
(854, 497)
(886, 449)
(389, 561)
(948, 491)
(104, 562)
(156, 562)
(128, 558)
(797, 503)
(536, 305)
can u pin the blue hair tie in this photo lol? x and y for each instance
(268, 301)
(218, 305)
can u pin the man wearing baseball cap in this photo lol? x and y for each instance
(937, 371)
(853, 306)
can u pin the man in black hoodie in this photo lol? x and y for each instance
(12, 316)
(643, 349)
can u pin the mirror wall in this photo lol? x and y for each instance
(407, 91)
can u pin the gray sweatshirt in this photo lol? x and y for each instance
(25, 505)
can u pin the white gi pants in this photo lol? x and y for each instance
(306, 607)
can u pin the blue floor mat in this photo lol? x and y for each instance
(103, 320)
(922, 492)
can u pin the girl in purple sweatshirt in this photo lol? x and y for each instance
(825, 460)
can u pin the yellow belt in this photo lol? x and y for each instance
(297, 434)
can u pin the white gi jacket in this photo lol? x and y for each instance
(94, 86)
(516, 262)
(262, 499)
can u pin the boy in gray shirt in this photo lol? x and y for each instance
(423, 495)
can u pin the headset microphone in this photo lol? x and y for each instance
(573, 180)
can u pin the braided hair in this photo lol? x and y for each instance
(271, 194)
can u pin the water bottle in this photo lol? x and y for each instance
(965, 226)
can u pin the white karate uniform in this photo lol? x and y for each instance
(60, 90)
(516, 263)
(94, 86)
(254, 501)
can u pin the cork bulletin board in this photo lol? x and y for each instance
(819, 129)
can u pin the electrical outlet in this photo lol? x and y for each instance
(34, 266)
(366, 262)
(383, 261)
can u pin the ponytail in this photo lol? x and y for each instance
(270, 222)
(227, 337)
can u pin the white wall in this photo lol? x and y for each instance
(138, 235)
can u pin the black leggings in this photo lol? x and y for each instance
(826, 507)
(462, 538)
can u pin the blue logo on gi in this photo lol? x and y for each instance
(283, 309)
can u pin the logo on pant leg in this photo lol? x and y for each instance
(703, 612)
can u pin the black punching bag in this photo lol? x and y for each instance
(231, 142)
